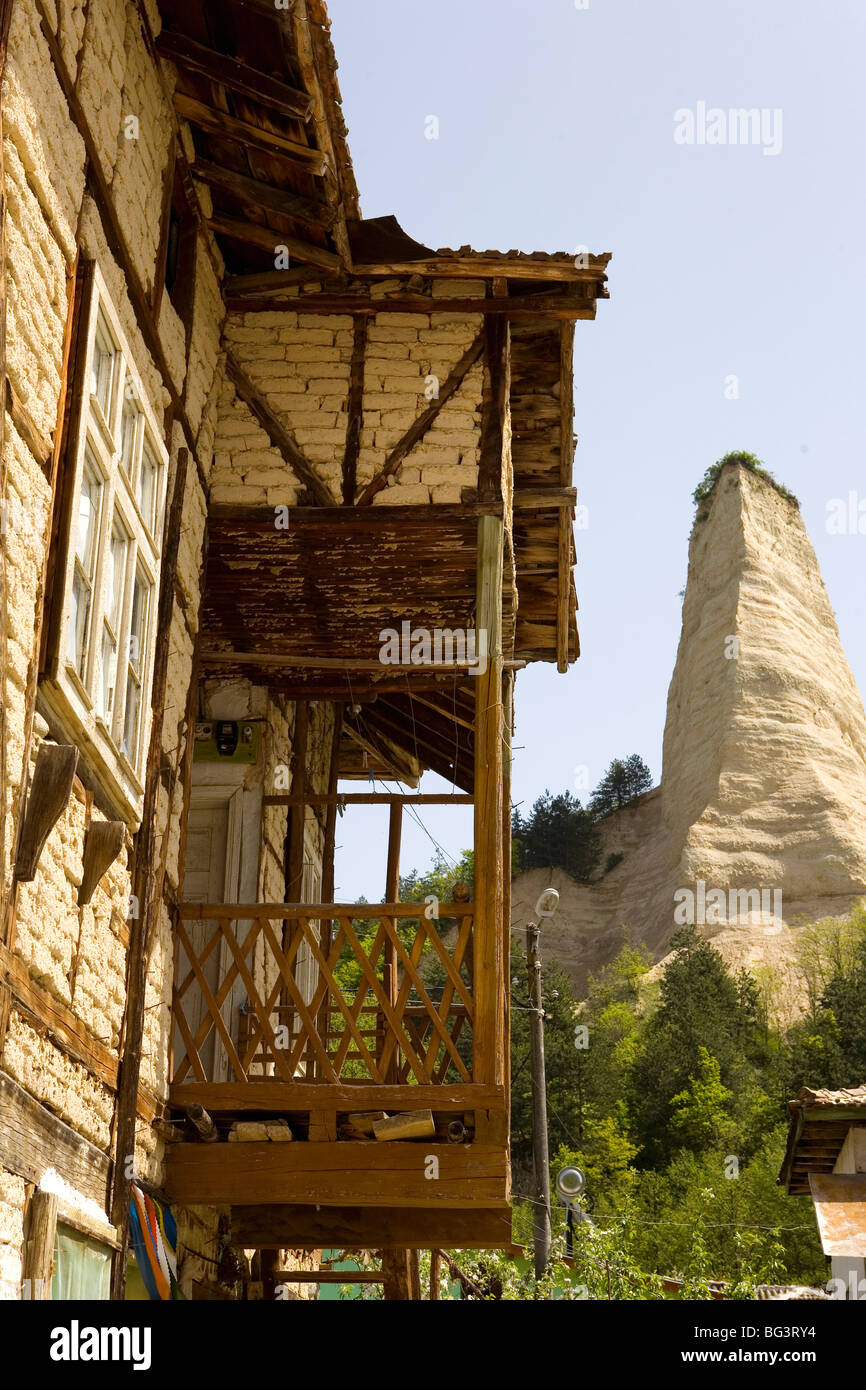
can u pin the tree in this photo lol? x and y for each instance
(559, 834)
(624, 780)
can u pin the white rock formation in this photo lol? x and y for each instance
(764, 768)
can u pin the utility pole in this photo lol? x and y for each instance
(541, 1218)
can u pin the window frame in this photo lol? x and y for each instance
(95, 442)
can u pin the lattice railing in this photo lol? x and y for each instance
(331, 992)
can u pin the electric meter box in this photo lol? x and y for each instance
(226, 741)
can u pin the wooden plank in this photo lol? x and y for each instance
(564, 539)
(283, 1097)
(336, 1174)
(369, 799)
(255, 193)
(32, 1140)
(298, 34)
(419, 427)
(330, 1276)
(279, 436)
(147, 882)
(247, 294)
(269, 238)
(538, 498)
(194, 57)
(39, 446)
(369, 1228)
(484, 267)
(278, 912)
(494, 406)
(47, 799)
(356, 412)
(37, 1265)
(489, 1064)
(244, 133)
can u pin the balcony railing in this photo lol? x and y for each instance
(333, 993)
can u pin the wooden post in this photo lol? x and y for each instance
(435, 1276)
(5, 18)
(147, 889)
(401, 1276)
(507, 727)
(38, 1262)
(392, 895)
(487, 973)
(328, 850)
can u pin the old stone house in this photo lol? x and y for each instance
(245, 433)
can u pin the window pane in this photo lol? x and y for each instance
(115, 567)
(108, 673)
(147, 486)
(79, 612)
(101, 366)
(82, 1267)
(129, 747)
(138, 623)
(88, 519)
(128, 423)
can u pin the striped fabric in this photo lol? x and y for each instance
(153, 1233)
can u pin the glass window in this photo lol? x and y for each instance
(101, 367)
(147, 482)
(129, 418)
(114, 577)
(137, 642)
(82, 1267)
(86, 535)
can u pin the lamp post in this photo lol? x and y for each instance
(545, 907)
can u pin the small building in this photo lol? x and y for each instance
(287, 500)
(826, 1157)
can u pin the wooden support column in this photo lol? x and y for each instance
(38, 1263)
(392, 895)
(488, 964)
(401, 1276)
(328, 850)
(507, 730)
(294, 847)
(147, 888)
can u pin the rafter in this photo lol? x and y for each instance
(219, 123)
(255, 193)
(195, 57)
(268, 238)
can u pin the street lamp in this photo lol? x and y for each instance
(570, 1183)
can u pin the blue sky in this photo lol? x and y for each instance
(556, 130)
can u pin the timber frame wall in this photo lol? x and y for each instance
(397, 404)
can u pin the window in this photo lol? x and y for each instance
(82, 1267)
(114, 496)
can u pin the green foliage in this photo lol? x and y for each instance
(625, 779)
(754, 465)
(558, 833)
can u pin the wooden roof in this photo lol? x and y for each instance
(819, 1124)
(258, 87)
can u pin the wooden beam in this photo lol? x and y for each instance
(356, 412)
(419, 427)
(279, 436)
(277, 912)
(566, 468)
(368, 1228)
(37, 1265)
(148, 879)
(282, 1097)
(248, 135)
(369, 799)
(536, 499)
(103, 843)
(494, 407)
(297, 28)
(485, 267)
(32, 1140)
(100, 190)
(269, 238)
(488, 965)
(470, 1175)
(567, 307)
(39, 446)
(269, 91)
(255, 193)
(6, 887)
(47, 799)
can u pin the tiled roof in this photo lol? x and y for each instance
(822, 1098)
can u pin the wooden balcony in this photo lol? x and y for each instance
(314, 1012)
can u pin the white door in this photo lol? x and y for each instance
(210, 876)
